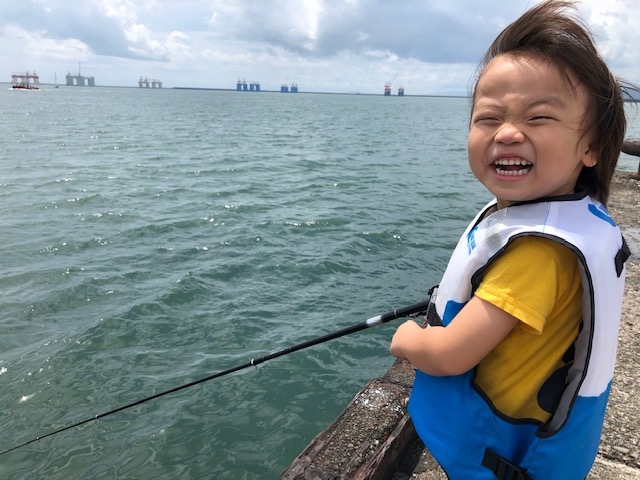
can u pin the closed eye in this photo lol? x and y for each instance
(540, 118)
(486, 120)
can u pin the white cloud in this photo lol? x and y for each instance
(328, 45)
(617, 32)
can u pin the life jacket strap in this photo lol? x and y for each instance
(431, 316)
(623, 254)
(502, 468)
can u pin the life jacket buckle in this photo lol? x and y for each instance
(502, 468)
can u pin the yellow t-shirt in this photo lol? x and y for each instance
(537, 281)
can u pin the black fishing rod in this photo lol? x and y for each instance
(417, 309)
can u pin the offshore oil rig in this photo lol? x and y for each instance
(80, 80)
(25, 81)
(284, 88)
(387, 88)
(243, 86)
(149, 83)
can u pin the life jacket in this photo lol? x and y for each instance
(457, 423)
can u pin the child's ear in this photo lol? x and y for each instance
(590, 157)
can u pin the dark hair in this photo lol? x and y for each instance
(548, 32)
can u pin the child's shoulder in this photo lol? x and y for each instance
(533, 247)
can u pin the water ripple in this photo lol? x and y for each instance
(139, 255)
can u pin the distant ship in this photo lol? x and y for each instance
(25, 81)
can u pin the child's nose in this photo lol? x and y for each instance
(509, 133)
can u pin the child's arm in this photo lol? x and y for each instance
(471, 335)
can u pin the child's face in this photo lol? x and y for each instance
(526, 140)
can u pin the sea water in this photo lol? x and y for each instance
(151, 238)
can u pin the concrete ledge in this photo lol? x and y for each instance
(369, 439)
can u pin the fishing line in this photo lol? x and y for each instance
(416, 309)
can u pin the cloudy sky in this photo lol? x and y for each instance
(347, 46)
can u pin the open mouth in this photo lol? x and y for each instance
(513, 167)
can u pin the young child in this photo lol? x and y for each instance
(514, 370)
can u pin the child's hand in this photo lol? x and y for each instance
(405, 333)
(459, 347)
